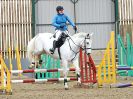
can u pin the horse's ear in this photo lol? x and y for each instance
(90, 34)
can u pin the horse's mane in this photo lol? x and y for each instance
(81, 34)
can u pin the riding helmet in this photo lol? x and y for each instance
(59, 8)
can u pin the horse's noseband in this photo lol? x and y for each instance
(84, 46)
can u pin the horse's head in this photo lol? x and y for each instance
(87, 43)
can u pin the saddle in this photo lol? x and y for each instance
(59, 43)
(61, 40)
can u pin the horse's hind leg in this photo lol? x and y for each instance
(38, 60)
(35, 61)
(65, 72)
(76, 65)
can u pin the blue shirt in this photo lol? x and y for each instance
(61, 20)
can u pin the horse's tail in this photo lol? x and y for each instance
(30, 49)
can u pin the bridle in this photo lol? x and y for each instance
(85, 48)
(82, 47)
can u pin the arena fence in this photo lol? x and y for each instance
(125, 9)
(15, 26)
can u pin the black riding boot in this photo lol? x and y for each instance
(54, 47)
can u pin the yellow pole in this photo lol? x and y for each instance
(2, 78)
(109, 65)
(18, 60)
(5, 69)
(8, 89)
(2, 74)
(104, 68)
(99, 76)
(10, 58)
(113, 57)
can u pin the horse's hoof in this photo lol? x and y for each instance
(79, 84)
(66, 88)
(30, 67)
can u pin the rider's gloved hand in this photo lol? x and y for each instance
(62, 25)
(75, 28)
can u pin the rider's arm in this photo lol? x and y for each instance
(54, 22)
(70, 21)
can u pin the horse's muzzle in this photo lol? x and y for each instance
(88, 54)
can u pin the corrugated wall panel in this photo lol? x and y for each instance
(89, 11)
(46, 10)
(101, 33)
(99, 18)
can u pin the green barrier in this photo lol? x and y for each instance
(48, 63)
(122, 54)
(125, 54)
(129, 54)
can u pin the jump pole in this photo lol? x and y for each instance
(124, 68)
(38, 70)
(42, 80)
(122, 85)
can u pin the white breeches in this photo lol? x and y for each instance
(58, 33)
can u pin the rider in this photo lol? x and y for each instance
(59, 22)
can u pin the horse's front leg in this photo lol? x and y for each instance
(65, 73)
(76, 65)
